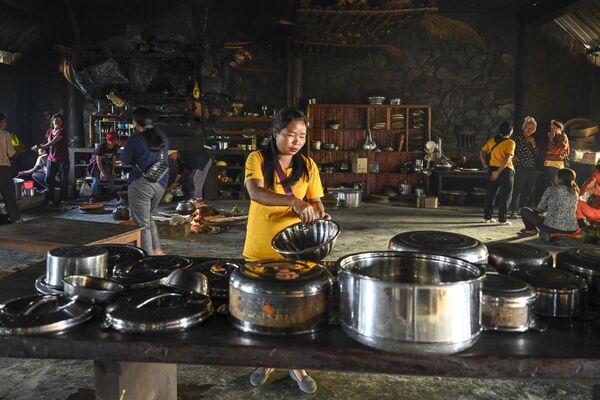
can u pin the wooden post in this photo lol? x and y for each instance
(117, 380)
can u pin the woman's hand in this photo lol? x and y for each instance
(494, 175)
(305, 211)
(319, 212)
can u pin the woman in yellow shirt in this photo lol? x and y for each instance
(284, 188)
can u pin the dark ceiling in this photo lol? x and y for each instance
(31, 24)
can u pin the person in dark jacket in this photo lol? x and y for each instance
(142, 151)
(58, 158)
(526, 152)
(189, 169)
(102, 165)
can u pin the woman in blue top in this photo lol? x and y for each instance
(141, 151)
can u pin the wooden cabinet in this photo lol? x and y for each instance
(400, 132)
(231, 142)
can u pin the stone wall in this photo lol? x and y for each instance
(470, 88)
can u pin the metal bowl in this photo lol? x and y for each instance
(376, 99)
(188, 281)
(90, 288)
(312, 242)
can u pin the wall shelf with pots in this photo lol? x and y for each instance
(400, 131)
(230, 147)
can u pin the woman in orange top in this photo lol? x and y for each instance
(284, 188)
(588, 205)
(557, 150)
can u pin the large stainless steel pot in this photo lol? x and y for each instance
(280, 297)
(506, 257)
(410, 302)
(585, 262)
(557, 293)
(442, 243)
(75, 260)
(348, 197)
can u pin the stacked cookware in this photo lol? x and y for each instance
(134, 293)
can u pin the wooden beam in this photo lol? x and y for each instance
(541, 11)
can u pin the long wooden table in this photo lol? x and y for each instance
(43, 234)
(144, 363)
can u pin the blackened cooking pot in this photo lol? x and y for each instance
(557, 293)
(506, 257)
(585, 262)
(443, 243)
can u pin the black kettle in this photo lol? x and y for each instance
(121, 213)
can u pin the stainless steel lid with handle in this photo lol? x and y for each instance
(506, 288)
(148, 272)
(506, 257)
(282, 277)
(583, 260)
(218, 273)
(441, 243)
(75, 260)
(550, 279)
(158, 310)
(34, 315)
(122, 254)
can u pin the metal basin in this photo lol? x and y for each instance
(188, 281)
(311, 242)
(90, 288)
(410, 302)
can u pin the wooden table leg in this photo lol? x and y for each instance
(117, 380)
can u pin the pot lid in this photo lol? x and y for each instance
(497, 285)
(217, 272)
(584, 260)
(285, 277)
(444, 243)
(148, 272)
(550, 278)
(347, 190)
(158, 310)
(122, 254)
(37, 314)
(516, 250)
(77, 252)
(282, 270)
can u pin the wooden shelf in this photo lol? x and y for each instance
(247, 119)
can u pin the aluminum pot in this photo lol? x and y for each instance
(410, 302)
(585, 262)
(506, 257)
(507, 304)
(75, 260)
(557, 293)
(280, 297)
(348, 197)
(443, 243)
(18, 186)
(185, 208)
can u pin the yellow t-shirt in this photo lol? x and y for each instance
(555, 164)
(505, 149)
(264, 222)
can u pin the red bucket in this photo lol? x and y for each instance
(28, 184)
